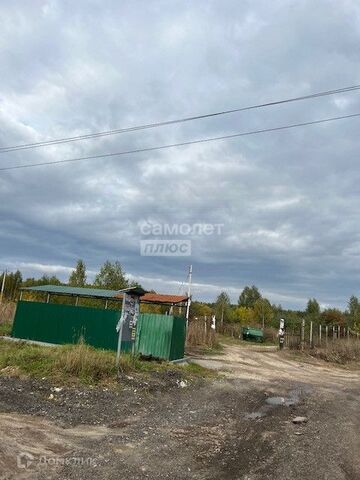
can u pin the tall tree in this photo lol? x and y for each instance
(354, 312)
(353, 305)
(263, 311)
(244, 316)
(13, 282)
(222, 307)
(77, 277)
(111, 276)
(199, 309)
(44, 280)
(332, 316)
(249, 296)
(313, 307)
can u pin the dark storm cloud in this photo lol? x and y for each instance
(287, 201)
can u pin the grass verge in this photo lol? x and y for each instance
(82, 364)
(5, 328)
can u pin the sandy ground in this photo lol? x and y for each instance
(236, 427)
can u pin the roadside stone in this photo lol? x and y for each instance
(298, 420)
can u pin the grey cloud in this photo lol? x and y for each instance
(288, 200)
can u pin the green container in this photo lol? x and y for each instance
(252, 334)
(161, 336)
(60, 324)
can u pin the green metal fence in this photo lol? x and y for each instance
(158, 336)
(55, 323)
(161, 336)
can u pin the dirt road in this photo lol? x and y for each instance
(236, 427)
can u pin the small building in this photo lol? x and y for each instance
(75, 318)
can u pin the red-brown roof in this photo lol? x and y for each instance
(163, 298)
(159, 298)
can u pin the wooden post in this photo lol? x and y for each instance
(303, 334)
(326, 335)
(3, 287)
(320, 335)
(77, 301)
(106, 304)
(333, 331)
(48, 298)
(205, 327)
(348, 333)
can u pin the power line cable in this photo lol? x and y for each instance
(182, 144)
(58, 141)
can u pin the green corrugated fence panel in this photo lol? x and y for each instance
(178, 338)
(161, 336)
(55, 323)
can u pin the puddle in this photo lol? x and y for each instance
(292, 399)
(275, 401)
(283, 401)
(254, 415)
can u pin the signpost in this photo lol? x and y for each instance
(126, 326)
(281, 333)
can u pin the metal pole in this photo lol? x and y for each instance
(3, 286)
(76, 301)
(320, 335)
(120, 333)
(189, 295)
(311, 334)
(106, 304)
(48, 298)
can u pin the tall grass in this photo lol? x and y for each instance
(83, 362)
(339, 351)
(199, 335)
(63, 362)
(80, 363)
(7, 311)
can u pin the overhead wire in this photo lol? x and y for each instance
(64, 140)
(181, 144)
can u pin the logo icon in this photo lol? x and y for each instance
(24, 459)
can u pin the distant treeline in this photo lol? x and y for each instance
(252, 308)
(111, 276)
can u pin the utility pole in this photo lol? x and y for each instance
(3, 287)
(189, 297)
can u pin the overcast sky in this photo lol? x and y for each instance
(288, 201)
